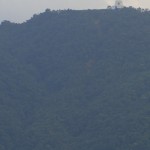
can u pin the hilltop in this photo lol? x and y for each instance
(76, 80)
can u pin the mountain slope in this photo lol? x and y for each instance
(76, 80)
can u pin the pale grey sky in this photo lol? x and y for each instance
(21, 10)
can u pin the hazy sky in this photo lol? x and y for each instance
(21, 10)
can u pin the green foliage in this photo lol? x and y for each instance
(76, 80)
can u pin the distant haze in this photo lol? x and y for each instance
(21, 10)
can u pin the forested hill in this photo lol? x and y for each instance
(76, 80)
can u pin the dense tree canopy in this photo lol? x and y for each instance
(76, 80)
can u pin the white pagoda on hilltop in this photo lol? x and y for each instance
(119, 4)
